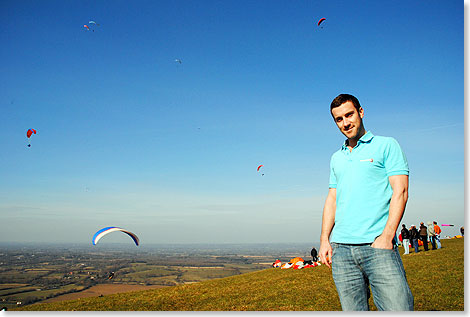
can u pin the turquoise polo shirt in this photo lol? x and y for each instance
(363, 192)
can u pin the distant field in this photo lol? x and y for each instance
(11, 285)
(170, 275)
(104, 289)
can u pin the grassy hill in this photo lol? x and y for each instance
(436, 278)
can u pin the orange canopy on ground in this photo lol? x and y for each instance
(295, 260)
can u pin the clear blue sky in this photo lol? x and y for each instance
(128, 137)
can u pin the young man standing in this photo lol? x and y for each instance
(367, 196)
(405, 234)
(437, 230)
(423, 235)
(414, 235)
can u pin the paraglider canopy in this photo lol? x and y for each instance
(320, 21)
(30, 132)
(102, 232)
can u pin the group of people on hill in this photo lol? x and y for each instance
(413, 236)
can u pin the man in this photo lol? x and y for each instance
(367, 196)
(314, 254)
(405, 235)
(414, 235)
(423, 235)
(432, 235)
(438, 231)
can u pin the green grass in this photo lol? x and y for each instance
(436, 279)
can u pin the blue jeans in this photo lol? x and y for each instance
(355, 267)
(438, 241)
(415, 245)
(433, 242)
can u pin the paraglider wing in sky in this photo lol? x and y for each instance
(102, 232)
(262, 174)
(29, 133)
(93, 24)
(178, 61)
(86, 26)
(320, 21)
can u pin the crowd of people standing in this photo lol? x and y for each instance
(412, 236)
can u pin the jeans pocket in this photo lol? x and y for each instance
(382, 250)
(334, 246)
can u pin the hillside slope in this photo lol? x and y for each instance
(436, 279)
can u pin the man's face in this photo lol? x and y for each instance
(348, 119)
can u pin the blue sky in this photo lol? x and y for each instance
(128, 137)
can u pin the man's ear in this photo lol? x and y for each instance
(361, 112)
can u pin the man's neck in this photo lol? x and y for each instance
(353, 142)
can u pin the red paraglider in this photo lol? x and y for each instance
(262, 174)
(320, 21)
(29, 133)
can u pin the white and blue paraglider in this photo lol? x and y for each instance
(102, 232)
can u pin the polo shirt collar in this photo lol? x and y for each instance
(364, 139)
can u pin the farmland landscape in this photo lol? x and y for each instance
(32, 273)
(239, 280)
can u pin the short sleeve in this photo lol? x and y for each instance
(395, 160)
(333, 181)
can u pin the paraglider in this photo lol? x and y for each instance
(320, 21)
(178, 61)
(262, 174)
(102, 232)
(90, 23)
(29, 133)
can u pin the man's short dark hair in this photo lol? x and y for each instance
(342, 98)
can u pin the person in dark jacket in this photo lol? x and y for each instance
(405, 235)
(314, 254)
(414, 235)
(423, 235)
